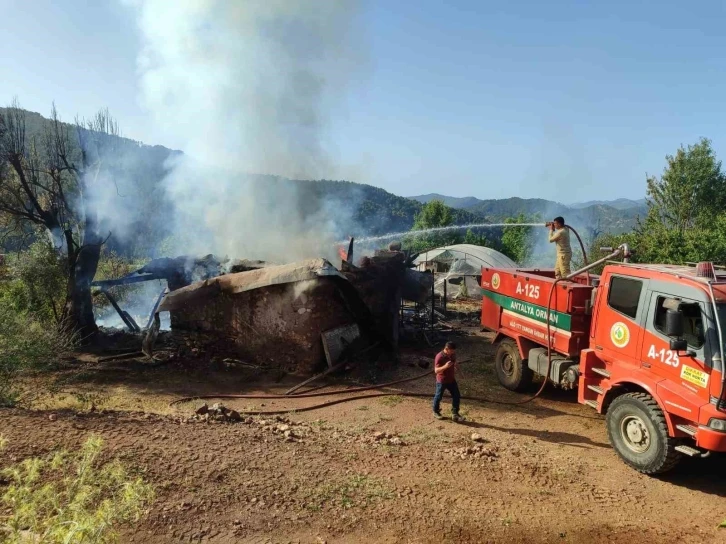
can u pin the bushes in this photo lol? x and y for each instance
(35, 283)
(26, 344)
(32, 295)
(33, 291)
(72, 497)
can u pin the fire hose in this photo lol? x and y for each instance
(623, 249)
(346, 399)
(377, 387)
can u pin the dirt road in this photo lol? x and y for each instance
(379, 469)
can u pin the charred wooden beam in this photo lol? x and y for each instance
(125, 317)
(349, 257)
(330, 370)
(156, 307)
(147, 345)
(126, 280)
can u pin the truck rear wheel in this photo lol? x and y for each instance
(512, 371)
(638, 432)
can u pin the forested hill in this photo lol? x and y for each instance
(153, 156)
(139, 170)
(374, 210)
(616, 217)
(142, 168)
(367, 209)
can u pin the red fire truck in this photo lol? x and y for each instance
(642, 343)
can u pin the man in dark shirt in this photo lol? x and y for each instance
(445, 370)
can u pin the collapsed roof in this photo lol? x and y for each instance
(253, 279)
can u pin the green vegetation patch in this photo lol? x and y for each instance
(356, 490)
(71, 497)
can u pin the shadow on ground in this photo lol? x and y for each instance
(554, 437)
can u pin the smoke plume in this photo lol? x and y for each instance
(246, 88)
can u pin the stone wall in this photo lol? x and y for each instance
(279, 325)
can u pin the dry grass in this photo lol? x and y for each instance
(116, 398)
(393, 400)
(72, 497)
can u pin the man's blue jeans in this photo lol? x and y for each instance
(453, 389)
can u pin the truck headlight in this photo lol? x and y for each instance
(717, 424)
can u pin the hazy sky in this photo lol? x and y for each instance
(566, 100)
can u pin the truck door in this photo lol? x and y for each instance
(686, 376)
(620, 314)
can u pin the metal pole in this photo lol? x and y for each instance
(720, 341)
(619, 251)
(445, 295)
(433, 300)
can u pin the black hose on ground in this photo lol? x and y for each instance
(371, 388)
(360, 397)
(307, 395)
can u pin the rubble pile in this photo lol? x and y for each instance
(278, 425)
(218, 412)
(200, 344)
(381, 438)
(382, 281)
(477, 450)
(285, 428)
(387, 439)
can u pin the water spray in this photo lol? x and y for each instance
(391, 235)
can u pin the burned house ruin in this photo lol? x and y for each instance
(274, 315)
(295, 316)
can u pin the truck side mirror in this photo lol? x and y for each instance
(674, 323)
(674, 326)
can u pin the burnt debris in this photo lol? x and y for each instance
(281, 315)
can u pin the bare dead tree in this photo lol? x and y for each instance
(46, 180)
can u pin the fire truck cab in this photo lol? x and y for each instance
(642, 344)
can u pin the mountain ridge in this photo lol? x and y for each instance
(615, 216)
(372, 210)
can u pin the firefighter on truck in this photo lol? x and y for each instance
(560, 236)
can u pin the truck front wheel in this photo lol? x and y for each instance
(637, 430)
(512, 371)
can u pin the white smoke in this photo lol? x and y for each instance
(246, 87)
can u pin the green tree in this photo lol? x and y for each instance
(477, 239)
(690, 193)
(36, 283)
(45, 181)
(685, 221)
(517, 242)
(434, 214)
